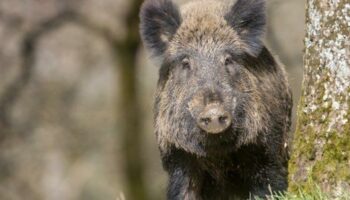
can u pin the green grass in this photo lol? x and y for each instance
(316, 194)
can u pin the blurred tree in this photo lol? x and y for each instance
(129, 107)
(125, 51)
(12, 93)
(27, 55)
(321, 153)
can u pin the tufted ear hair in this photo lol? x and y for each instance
(160, 20)
(248, 18)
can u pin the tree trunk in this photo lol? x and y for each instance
(321, 151)
(129, 108)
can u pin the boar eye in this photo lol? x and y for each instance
(228, 60)
(186, 63)
(231, 65)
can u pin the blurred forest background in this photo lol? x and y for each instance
(76, 92)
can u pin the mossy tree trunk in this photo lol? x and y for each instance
(321, 148)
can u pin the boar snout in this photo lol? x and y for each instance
(214, 119)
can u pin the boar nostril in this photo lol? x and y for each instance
(214, 119)
(205, 120)
(223, 119)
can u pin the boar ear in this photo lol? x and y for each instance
(247, 17)
(159, 21)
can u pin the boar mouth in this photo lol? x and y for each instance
(209, 143)
(214, 119)
(223, 142)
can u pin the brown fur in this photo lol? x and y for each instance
(225, 64)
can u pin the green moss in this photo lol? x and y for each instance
(304, 168)
(321, 146)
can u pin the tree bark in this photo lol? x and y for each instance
(321, 148)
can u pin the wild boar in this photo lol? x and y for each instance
(222, 109)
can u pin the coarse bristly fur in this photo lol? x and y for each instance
(212, 53)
